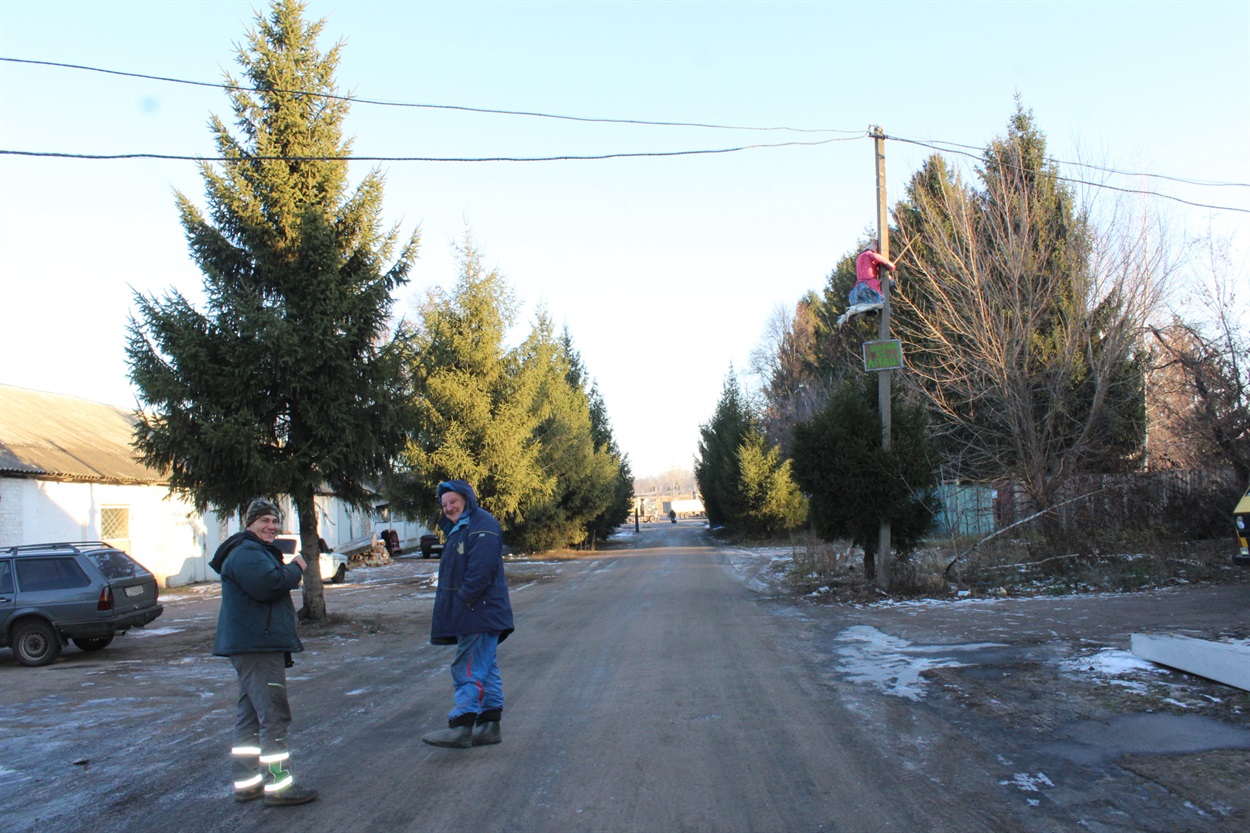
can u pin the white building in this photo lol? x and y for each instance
(68, 472)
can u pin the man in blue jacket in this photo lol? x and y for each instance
(472, 612)
(256, 630)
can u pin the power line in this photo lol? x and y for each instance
(1074, 181)
(455, 107)
(1142, 174)
(587, 119)
(562, 158)
(937, 145)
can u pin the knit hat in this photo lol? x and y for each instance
(258, 509)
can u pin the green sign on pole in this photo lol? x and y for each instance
(883, 355)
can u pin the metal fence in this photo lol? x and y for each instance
(1192, 504)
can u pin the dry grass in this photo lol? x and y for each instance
(1012, 567)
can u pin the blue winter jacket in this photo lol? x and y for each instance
(472, 594)
(257, 614)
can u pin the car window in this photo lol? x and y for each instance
(116, 565)
(287, 545)
(36, 574)
(6, 577)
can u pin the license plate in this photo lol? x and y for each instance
(137, 590)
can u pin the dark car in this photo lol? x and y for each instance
(86, 592)
(431, 545)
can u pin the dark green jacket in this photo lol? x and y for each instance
(257, 614)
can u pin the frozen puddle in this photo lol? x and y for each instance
(893, 665)
(1093, 742)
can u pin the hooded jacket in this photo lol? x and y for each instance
(472, 594)
(257, 614)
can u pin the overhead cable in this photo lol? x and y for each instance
(460, 108)
(563, 158)
(852, 135)
(1199, 182)
(1074, 181)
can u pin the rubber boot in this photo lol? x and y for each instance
(457, 735)
(281, 789)
(486, 732)
(291, 796)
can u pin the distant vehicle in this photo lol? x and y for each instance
(431, 545)
(687, 508)
(333, 564)
(86, 592)
(1241, 520)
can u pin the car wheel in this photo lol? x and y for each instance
(339, 574)
(92, 643)
(36, 643)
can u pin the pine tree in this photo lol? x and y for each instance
(853, 485)
(717, 468)
(474, 402)
(772, 501)
(617, 510)
(286, 382)
(582, 474)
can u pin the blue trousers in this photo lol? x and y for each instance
(475, 675)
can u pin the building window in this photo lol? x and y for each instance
(115, 526)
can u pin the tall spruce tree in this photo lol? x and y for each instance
(286, 382)
(717, 468)
(617, 511)
(582, 474)
(476, 419)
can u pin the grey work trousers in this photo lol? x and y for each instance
(262, 717)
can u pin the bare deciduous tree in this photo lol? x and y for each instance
(1201, 379)
(1024, 323)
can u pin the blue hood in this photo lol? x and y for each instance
(462, 488)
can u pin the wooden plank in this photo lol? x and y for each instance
(1224, 662)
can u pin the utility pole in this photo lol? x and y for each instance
(883, 376)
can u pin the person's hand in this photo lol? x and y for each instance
(299, 559)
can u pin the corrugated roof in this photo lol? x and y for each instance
(64, 437)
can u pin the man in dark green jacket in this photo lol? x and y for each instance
(256, 630)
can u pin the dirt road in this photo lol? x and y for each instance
(662, 685)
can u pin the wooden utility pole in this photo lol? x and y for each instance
(883, 376)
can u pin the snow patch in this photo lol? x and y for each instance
(1029, 782)
(1110, 663)
(145, 632)
(888, 663)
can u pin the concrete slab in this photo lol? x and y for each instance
(1224, 662)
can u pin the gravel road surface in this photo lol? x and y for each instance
(662, 684)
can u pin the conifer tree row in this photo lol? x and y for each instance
(518, 422)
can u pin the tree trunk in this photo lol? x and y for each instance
(314, 609)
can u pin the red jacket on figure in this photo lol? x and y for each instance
(868, 268)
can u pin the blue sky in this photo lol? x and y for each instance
(665, 270)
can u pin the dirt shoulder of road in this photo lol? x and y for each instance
(1051, 679)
